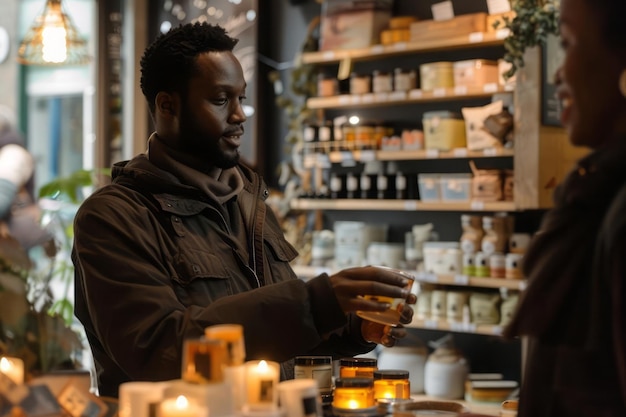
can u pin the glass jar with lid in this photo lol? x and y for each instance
(391, 383)
(357, 367)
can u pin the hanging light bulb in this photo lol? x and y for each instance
(53, 39)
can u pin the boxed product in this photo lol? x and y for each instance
(429, 186)
(475, 73)
(462, 25)
(456, 187)
(443, 130)
(352, 240)
(348, 24)
(436, 75)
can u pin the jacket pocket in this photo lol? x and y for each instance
(203, 276)
(281, 249)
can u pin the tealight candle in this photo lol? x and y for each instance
(261, 380)
(181, 407)
(232, 335)
(203, 360)
(391, 383)
(12, 368)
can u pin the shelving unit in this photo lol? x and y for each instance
(399, 205)
(473, 40)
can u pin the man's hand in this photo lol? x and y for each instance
(350, 285)
(384, 334)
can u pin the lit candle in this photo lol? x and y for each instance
(181, 407)
(232, 334)
(12, 368)
(203, 360)
(391, 384)
(261, 380)
(354, 393)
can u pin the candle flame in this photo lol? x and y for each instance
(262, 367)
(5, 364)
(182, 402)
(353, 404)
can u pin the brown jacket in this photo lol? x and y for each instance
(156, 263)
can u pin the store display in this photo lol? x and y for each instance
(352, 24)
(463, 25)
(485, 308)
(435, 75)
(446, 370)
(444, 130)
(475, 73)
(477, 137)
(410, 358)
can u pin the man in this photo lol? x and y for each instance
(182, 239)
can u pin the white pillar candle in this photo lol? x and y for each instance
(215, 397)
(181, 407)
(300, 398)
(140, 399)
(261, 380)
(12, 368)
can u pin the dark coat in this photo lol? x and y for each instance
(156, 263)
(574, 309)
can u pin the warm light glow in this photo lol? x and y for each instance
(182, 402)
(54, 40)
(354, 404)
(354, 120)
(262, 367)
(5, 365)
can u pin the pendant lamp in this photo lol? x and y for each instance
(53, 39)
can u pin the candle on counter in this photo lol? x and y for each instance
(357, 367)
(140, 399)
(354, 393)
(300, 397)
(181, 407)
(232, 335)
(12, 368)
(391, 383)
(215, 397)
(261, 380)
(203, 360)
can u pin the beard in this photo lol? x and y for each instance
(194, 142)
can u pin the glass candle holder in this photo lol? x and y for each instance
(261, 384)
(354, 393)
(203, 360)
(357, 367)
(392, 315)
(232, 335)
(391, 383)
(319, 368)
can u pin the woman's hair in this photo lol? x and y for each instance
(170, 61)
(612, 14)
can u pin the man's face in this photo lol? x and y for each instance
(211, 115)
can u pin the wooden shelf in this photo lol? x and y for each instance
(409, 155)
(432, 324)
(404, 97)
(399, 205)
(464, 280)
(473, 40)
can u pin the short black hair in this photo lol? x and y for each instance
(170, 61)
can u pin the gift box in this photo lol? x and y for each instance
(350, 24)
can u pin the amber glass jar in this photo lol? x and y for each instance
(391, 383)
(354, 393)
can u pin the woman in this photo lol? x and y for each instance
(574, 309)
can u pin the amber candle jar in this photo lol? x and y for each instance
(354, 393)
(391, 383)
(357, 367)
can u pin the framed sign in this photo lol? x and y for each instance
(552, 57)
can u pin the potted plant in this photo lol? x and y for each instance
(534, 21)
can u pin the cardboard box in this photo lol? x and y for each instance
(352, 24)
(441, 29)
